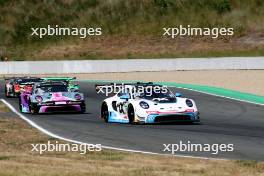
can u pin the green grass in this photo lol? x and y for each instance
(107, 155)
(3, 108)
(4, 157)
(121, 18)
(211, 53)
(247, 163)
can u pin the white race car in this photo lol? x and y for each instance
(142, 103)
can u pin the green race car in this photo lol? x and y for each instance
(67, 80)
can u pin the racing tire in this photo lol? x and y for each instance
(32, 108)
(14, 93)
(6, 93)
(20, 106)
(83, 108)
(104, 112)
(131, 114)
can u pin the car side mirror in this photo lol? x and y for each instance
(178, 94)
(124, 97)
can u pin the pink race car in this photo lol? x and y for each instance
(51, 96)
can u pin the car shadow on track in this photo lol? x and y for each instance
(158, 124)
(174, 123)
(60, 113)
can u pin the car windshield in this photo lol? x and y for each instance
(52, 88)
(161, 94)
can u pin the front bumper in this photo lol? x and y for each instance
(156, 118)
(170, 118)
(69, 106)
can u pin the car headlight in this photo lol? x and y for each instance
(77, 97)
(38, 98)
(189, 103)
(144, 105)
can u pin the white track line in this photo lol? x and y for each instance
(33, 124)
(222, 96)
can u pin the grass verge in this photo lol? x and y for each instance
(16, 158)
(116, 47)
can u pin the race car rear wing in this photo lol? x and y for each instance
(8, 78)
(109, 85)
(28, 83)
(59, 78)
(19, 77)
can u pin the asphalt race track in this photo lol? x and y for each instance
(223, 121)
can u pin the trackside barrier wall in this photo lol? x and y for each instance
(131, 65)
